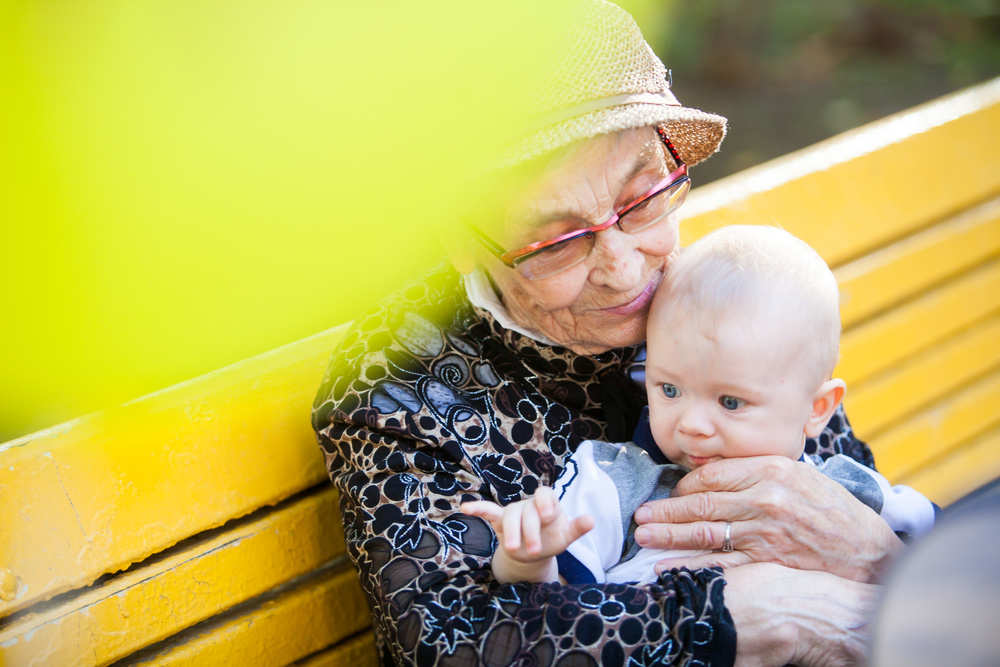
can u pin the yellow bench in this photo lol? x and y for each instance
(196, 524)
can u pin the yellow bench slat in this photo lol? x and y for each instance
(938, 429)
(315, 614)
(152, 602)
(941, 370)
(100, 493)
(893, 274)
(888, 340)
(860, 190)
(961, 471)
(355, 652)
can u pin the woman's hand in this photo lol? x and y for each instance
(785, 616)
(781, 511)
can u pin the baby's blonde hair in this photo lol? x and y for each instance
(742, 268)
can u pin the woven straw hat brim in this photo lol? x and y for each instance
(694, 133)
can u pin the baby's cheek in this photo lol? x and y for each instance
(661, 430)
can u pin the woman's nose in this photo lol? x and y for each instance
(618, 261)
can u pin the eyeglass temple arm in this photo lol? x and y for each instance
(490, 244)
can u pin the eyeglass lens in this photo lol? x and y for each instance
(562, 256)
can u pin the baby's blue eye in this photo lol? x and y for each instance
(731, 402)
(670, 391)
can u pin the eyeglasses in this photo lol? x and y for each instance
(547, 258)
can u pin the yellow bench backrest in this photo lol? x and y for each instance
(196, 524)
(907, 213)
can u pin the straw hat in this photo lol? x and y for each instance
(605, 78)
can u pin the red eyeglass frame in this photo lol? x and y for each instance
(512, 258)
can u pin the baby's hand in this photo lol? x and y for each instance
(533, 529)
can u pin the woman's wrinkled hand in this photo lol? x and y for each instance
(781, 511)
(786, 616)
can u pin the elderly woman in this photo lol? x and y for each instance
(477, 382)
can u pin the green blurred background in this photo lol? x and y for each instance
(186, 184)
(789, 73)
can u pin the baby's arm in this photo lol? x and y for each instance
(532, 533)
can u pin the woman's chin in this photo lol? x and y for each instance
(625, 332)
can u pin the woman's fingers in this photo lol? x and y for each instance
(703, 535)
(733, 474)
(718, 491)
(780, 510)
(682, 519)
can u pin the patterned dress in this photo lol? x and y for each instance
(429, 402)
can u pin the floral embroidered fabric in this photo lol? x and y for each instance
(429, 402)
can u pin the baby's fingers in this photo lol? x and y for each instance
(512, 526)
(580, 526)
(547, 505)
(483, 509)
(531, 527)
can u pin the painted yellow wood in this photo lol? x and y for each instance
(868, 187)
(939, 371)
(917, 263)
(355, 652)
(311, 616)
(934, 431)
(890, 339)
(102, 492)
(946, 480)
(183, 587)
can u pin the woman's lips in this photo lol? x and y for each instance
(638, 303)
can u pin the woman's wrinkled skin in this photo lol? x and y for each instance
(792, 617)
(603, 302)
(782, 511)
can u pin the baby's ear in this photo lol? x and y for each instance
(825, 401)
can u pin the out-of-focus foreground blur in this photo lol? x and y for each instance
(184, 185)
(187, 184)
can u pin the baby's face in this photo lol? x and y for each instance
(727, 387)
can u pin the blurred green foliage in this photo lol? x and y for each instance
(789, 73)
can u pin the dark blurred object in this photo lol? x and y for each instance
(942, 600)
(789, 73)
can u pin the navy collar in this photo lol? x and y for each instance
(643, 436)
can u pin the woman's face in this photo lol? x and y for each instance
(602, 302)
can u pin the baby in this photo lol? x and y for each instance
(742, 341)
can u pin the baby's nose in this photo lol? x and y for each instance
(696, 422)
